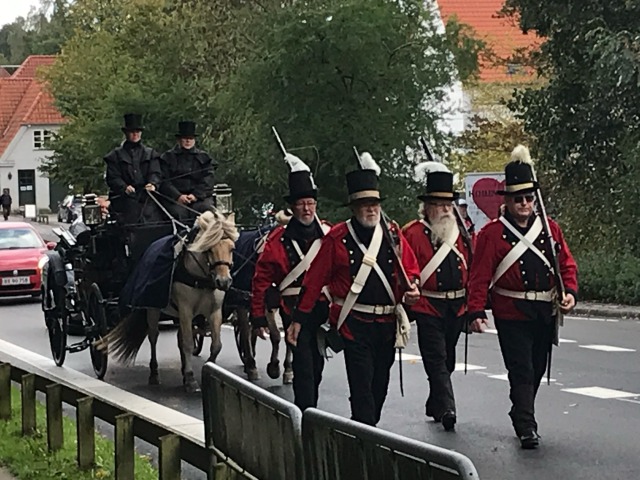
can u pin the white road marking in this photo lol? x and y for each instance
(566, 340)
(491, 330)
(470, 368)
(505, 377)
(595, 319)
(637, 402)
(599, 392)
(607, 348)
(408, 357)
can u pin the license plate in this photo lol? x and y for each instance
(15, 281)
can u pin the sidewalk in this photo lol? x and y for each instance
(5, 475)
(594, 309)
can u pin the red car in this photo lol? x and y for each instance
(22, 257)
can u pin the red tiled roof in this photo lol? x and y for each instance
(4, 73)
(25, 101)
(30, 66)
(502, 35)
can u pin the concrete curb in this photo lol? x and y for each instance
(622, 312)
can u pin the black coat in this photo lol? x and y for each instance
(132, 164)
(187, 172)
(5, 200)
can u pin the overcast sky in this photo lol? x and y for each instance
(12, 9)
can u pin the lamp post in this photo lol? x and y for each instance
(223, 198)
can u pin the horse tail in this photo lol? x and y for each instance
(125, 340)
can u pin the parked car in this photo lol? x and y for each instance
(69, 208)
(22, 257)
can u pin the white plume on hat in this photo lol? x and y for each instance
(521, 154)
(368, 163)
(425, 168)
(295, 164)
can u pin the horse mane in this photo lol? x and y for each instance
(214, 227)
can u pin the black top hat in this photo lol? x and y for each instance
(519, 179)
(132, 121)
(301, 185)
(439, 187)
(186, 129)
(362, 185)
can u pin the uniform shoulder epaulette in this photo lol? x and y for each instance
(407, 226)
(276, 233)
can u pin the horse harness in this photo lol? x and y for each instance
(181, 275)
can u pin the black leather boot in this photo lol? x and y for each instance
(529, 440)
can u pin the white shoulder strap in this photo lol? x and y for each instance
(303, 266)
(376, 267)
(525, 243)
(368, 262)
(447, 246)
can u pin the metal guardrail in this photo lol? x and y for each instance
(255, 428)
(271, 439)
(337, 448)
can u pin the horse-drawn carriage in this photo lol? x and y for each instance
(84, 276)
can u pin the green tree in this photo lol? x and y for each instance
(585, 118)
(335, 74)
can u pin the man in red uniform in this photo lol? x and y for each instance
(444, 258)
(356, 262)
(513, 263)
(280, 269)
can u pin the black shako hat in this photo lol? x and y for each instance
(301, 184)
(186, 129)
(132, 122)
(362, 184)
(439, 187)
(518, 173)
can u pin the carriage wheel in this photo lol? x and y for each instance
(56, 318)
(98, 318)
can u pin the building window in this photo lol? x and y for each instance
(41, 138)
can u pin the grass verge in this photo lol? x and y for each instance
(28, 458)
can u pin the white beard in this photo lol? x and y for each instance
(443, 229)
(368, 223)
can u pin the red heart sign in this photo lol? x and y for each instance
(485, 197)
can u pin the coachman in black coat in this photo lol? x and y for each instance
(188, 175)
(133, 169)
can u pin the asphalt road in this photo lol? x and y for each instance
(589, 415)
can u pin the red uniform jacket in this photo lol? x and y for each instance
(273, 265)
(443, 278)
(332, 267)
(493, 244)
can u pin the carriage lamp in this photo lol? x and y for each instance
(91, 214)
(223, 198)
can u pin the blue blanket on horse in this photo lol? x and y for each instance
(149, 285)
(245, 256)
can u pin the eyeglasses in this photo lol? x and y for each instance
(523, 198)
(307, 204)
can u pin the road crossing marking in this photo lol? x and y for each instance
(408, 357)
(505, 377)
(599, 392)
(595, 319)
(470, 368)
(566, 340)
(607, 348)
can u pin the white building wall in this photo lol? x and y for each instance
(22, 155)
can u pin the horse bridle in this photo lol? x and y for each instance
(210, 272)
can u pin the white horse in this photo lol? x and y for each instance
(207, 261)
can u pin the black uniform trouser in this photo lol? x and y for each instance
(179, 211)
(369, 358)
(6, 210)
(437, 339)
(525, 349)
(308, 362)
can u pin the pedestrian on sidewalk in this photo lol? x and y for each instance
(514, 264)
(279, 273)
(5, 202)
(443, 256)
(358, 264)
